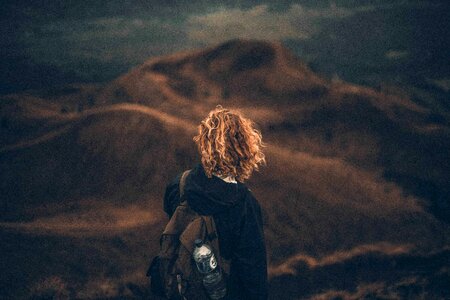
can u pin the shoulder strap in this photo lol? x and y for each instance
(209, 223)
(183, 182)
(213, 238)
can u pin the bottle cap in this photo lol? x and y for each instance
(198, 243)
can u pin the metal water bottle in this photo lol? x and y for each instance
(207, 265)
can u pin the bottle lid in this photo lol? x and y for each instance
(198, 243)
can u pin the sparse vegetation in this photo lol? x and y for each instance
(80, 211)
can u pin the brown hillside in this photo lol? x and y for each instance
(235, 73)
(355, 193)
(99, 152)
(100, 183)
(296, 108)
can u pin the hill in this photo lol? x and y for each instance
(389, 134)
(82, 186)
(100, 183)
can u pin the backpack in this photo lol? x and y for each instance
(173, 272)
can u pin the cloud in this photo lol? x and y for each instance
(104, 40)
(101, 28)
(443, 83)
(396, 54)
(260, 22)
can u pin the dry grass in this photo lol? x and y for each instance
(81, 191)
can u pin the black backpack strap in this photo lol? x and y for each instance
(210, 228)
(214, 240)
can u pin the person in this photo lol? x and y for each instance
(231, 149)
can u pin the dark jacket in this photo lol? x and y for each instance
(238, 219)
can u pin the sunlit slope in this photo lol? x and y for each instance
(235, 72)
(319, 205)
(298, 109)
(131, 150)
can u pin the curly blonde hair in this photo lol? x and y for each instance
(229, 144)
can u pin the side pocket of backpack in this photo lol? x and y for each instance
(156, 280)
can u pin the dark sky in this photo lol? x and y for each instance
(47, 43)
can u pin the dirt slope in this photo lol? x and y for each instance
(355, 193)
(391, 134)
(96, 188)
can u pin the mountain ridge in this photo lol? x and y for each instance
(87, 170)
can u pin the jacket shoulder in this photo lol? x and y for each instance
(172, 195)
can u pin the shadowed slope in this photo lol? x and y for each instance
(115, 151)
(81, 208)
(371, 274)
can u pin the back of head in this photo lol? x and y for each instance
(229, 144)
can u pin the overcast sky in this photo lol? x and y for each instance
(98, 40)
